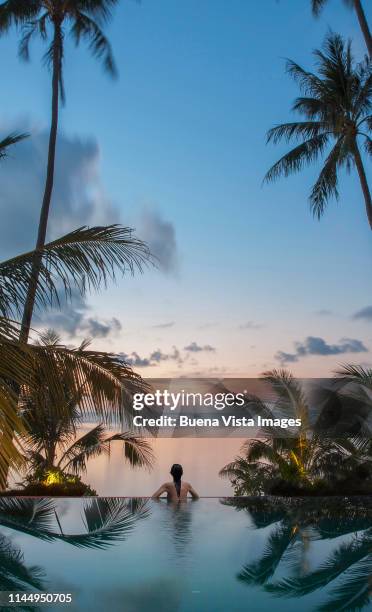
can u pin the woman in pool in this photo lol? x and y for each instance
(178, 489)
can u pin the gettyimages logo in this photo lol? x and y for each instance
(206, 408)
(175, 400)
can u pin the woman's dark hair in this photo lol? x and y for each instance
(176, 472)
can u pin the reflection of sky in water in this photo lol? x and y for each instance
(181, 558)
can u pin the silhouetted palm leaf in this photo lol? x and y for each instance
(354, 592)
(343, 558)
(84, 259)
(107, 521)
(32, 516)
(15, 575)
(9, 141)
(278, 542)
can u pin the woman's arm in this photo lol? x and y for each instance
(193, 493)
(159, 492)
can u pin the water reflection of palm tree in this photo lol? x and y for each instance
(15, 575)
(106, 520)
(348, 567)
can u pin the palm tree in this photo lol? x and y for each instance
(85, 258)
(307, 459)
(336, 104)
(84, 20)
(54, 414)
(317, 6)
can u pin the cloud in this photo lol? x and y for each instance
(196, 348)
(74, 320)
(160, 236)
(364, 313)
(153, 359)
(250, 325)
(78, 197)
(317, 346)
(164, 325)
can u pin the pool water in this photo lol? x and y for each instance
(215, 555)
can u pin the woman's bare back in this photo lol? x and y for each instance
(170, 489)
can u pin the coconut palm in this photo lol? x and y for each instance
(55, 414)
(83, 259)
(336, 105)
(83, 20)
(317, 6)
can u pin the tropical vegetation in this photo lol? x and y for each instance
(83, 259)
(318, 457)
(336, 103)
(57, 447)
(292, 533)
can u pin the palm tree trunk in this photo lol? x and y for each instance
(364, 25)
(44, 213)
(363, 182)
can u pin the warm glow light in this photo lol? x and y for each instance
(53, 478)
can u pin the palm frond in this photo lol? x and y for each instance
(287, 131)
(291, 400)
(354, 592)
(107, 521)
(136, 450)
(91, 444)
(32, 516)
(343, 558)
(356, 374)
(260, 571)
(18, 13)
(86, 28)
(9, 141)
(297, 158)
(326, 185)
(29, 31)
(15, 575)
(84, 259)
(100, 10)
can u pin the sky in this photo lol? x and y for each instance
(247, 280)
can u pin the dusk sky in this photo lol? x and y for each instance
(247, 279)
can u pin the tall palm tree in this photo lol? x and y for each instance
(336, 105)
(317, 6)
(83, 19)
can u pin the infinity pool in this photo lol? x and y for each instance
(215, 555)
